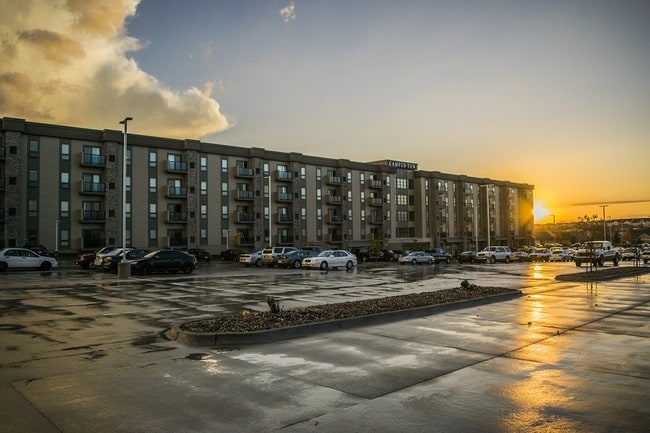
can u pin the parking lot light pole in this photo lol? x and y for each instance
(123, 270)
(487, 212)
(604, 221)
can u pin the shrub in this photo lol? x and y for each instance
(274, 305)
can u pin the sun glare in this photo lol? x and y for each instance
(539, 211)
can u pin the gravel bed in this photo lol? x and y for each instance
(257, 321)
(604, 274)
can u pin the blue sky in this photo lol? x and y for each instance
(551, 93)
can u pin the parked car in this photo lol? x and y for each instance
(41, 250)
(249, 259)
(495, 253)
(294, 258)
(559, 255)
(270, 254)
(467, 257)
(200, 254)
(520, 256)
(440, 256)
(99, 256)
(110, 261)
(231, 255)
(540, 255)
(331, 259)
(22, 258)
(630, 254)
(416, 258)
(87, 260)
(645, 256)
(164, 261)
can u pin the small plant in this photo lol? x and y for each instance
(274, 304)
(245, 314)
(466, 285)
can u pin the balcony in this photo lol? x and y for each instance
(335, 238)
(376, 219)
(285, 218)
(244, 172)
(285, 240)
(93, 216)
(284, 197)
(176, 191)
(375, 183)
(242, 194)
(333, 219)
(284, 176)
(93, 160)
(176, 217)
(333, 180)
(334, 199)
(95, 188)
(375, 201)
(246, 241)
(176, 167)
(245, 218)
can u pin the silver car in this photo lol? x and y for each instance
(22, 258)
(416, 258)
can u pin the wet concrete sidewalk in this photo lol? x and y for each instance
(568, 357)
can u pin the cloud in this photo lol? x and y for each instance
(66, 61)
(288, 13)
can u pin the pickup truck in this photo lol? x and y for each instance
(596, 253)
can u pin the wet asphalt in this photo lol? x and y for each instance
(84, 352)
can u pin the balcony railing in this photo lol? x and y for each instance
(93, 188)
(176, 191)
(93, 215)
(93, 159)
(244, 172)
(333, 180)
(176, 217)
(176, 167)
(285, 197)
(374, 183)
(245, 218)
(285, 240)
(334, 199)
(376, 201)
(333, 219)
(285, 218)
(376, 219)
(242, 194)
(247, 241)
(285, 176)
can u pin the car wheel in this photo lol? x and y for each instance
(448, 261)
(146, 269)
(46, 266)
(187, 268)
(493, 259)
(349, 265)
(507, 259)
(3, 266)
(91, 266)
(414, 262)
(296, 264)
(601, 262)
(430, 262)
(258, 263)
(324, 266)
(578, 263)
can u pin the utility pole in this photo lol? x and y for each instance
(604, 221)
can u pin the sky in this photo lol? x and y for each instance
(552, 93)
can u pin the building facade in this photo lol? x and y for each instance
(62, 187)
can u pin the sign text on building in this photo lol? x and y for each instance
(404, 165)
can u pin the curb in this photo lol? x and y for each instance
(260, 337)
(593, 277)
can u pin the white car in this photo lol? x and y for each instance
(254, 259)
(331, 259)
(21, 258)
(497, 253)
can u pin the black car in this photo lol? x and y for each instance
(164, 261)
(231, 255)
(200, 254)
(294, 258)
(467, 257)
(38, 249)
(110, 261)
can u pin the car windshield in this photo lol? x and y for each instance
(589, 245)
(325, 253)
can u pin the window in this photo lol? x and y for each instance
(319, 214)
(64, 210)
(402, 199)
(153, 159)
(33, 149)
(303, 193)
(32, 207)
(303, 214)
(349, 177)
(362, 178)
(224, 212)
(224, 165)
(318, 174)
(204, 234)
(153, 210)
(203, 163)
(127, 210)
(402, 216)
(128, 156)
(402, 183)
(65, 180)
(224, 189)
(204, 211)
(127, 182)
(303, 172)
(363, 196)
(204, 187)
(64, 239)
(65, 151)
(318, 194)
(33, 178)
(363, 214)
(153, 184)
(349, 214)
(153, 234)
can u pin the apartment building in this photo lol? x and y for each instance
(62, 186)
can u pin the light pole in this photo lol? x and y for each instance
(553, 228)
(604, 221)
(475, 226)
(270, 210)
(123, 270)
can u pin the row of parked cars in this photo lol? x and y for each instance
(292, 257)
(142, 261)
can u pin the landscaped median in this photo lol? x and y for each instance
(604, 274)
(253, 327)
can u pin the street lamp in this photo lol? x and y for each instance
(270, 210)
(123, 270)
(604, 221)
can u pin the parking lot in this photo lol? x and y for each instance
(69, 335)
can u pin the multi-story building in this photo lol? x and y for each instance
(62, 187)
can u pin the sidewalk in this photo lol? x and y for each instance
(563, 357)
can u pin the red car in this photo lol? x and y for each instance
(87, 260)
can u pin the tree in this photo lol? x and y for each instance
(589, 226)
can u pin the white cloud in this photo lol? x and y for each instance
(66, 61)
(288, 13)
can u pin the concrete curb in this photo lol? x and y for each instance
(267, 336)
(594, 277)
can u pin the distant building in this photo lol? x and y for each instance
(61, 187)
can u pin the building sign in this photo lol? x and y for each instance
(404, 165)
